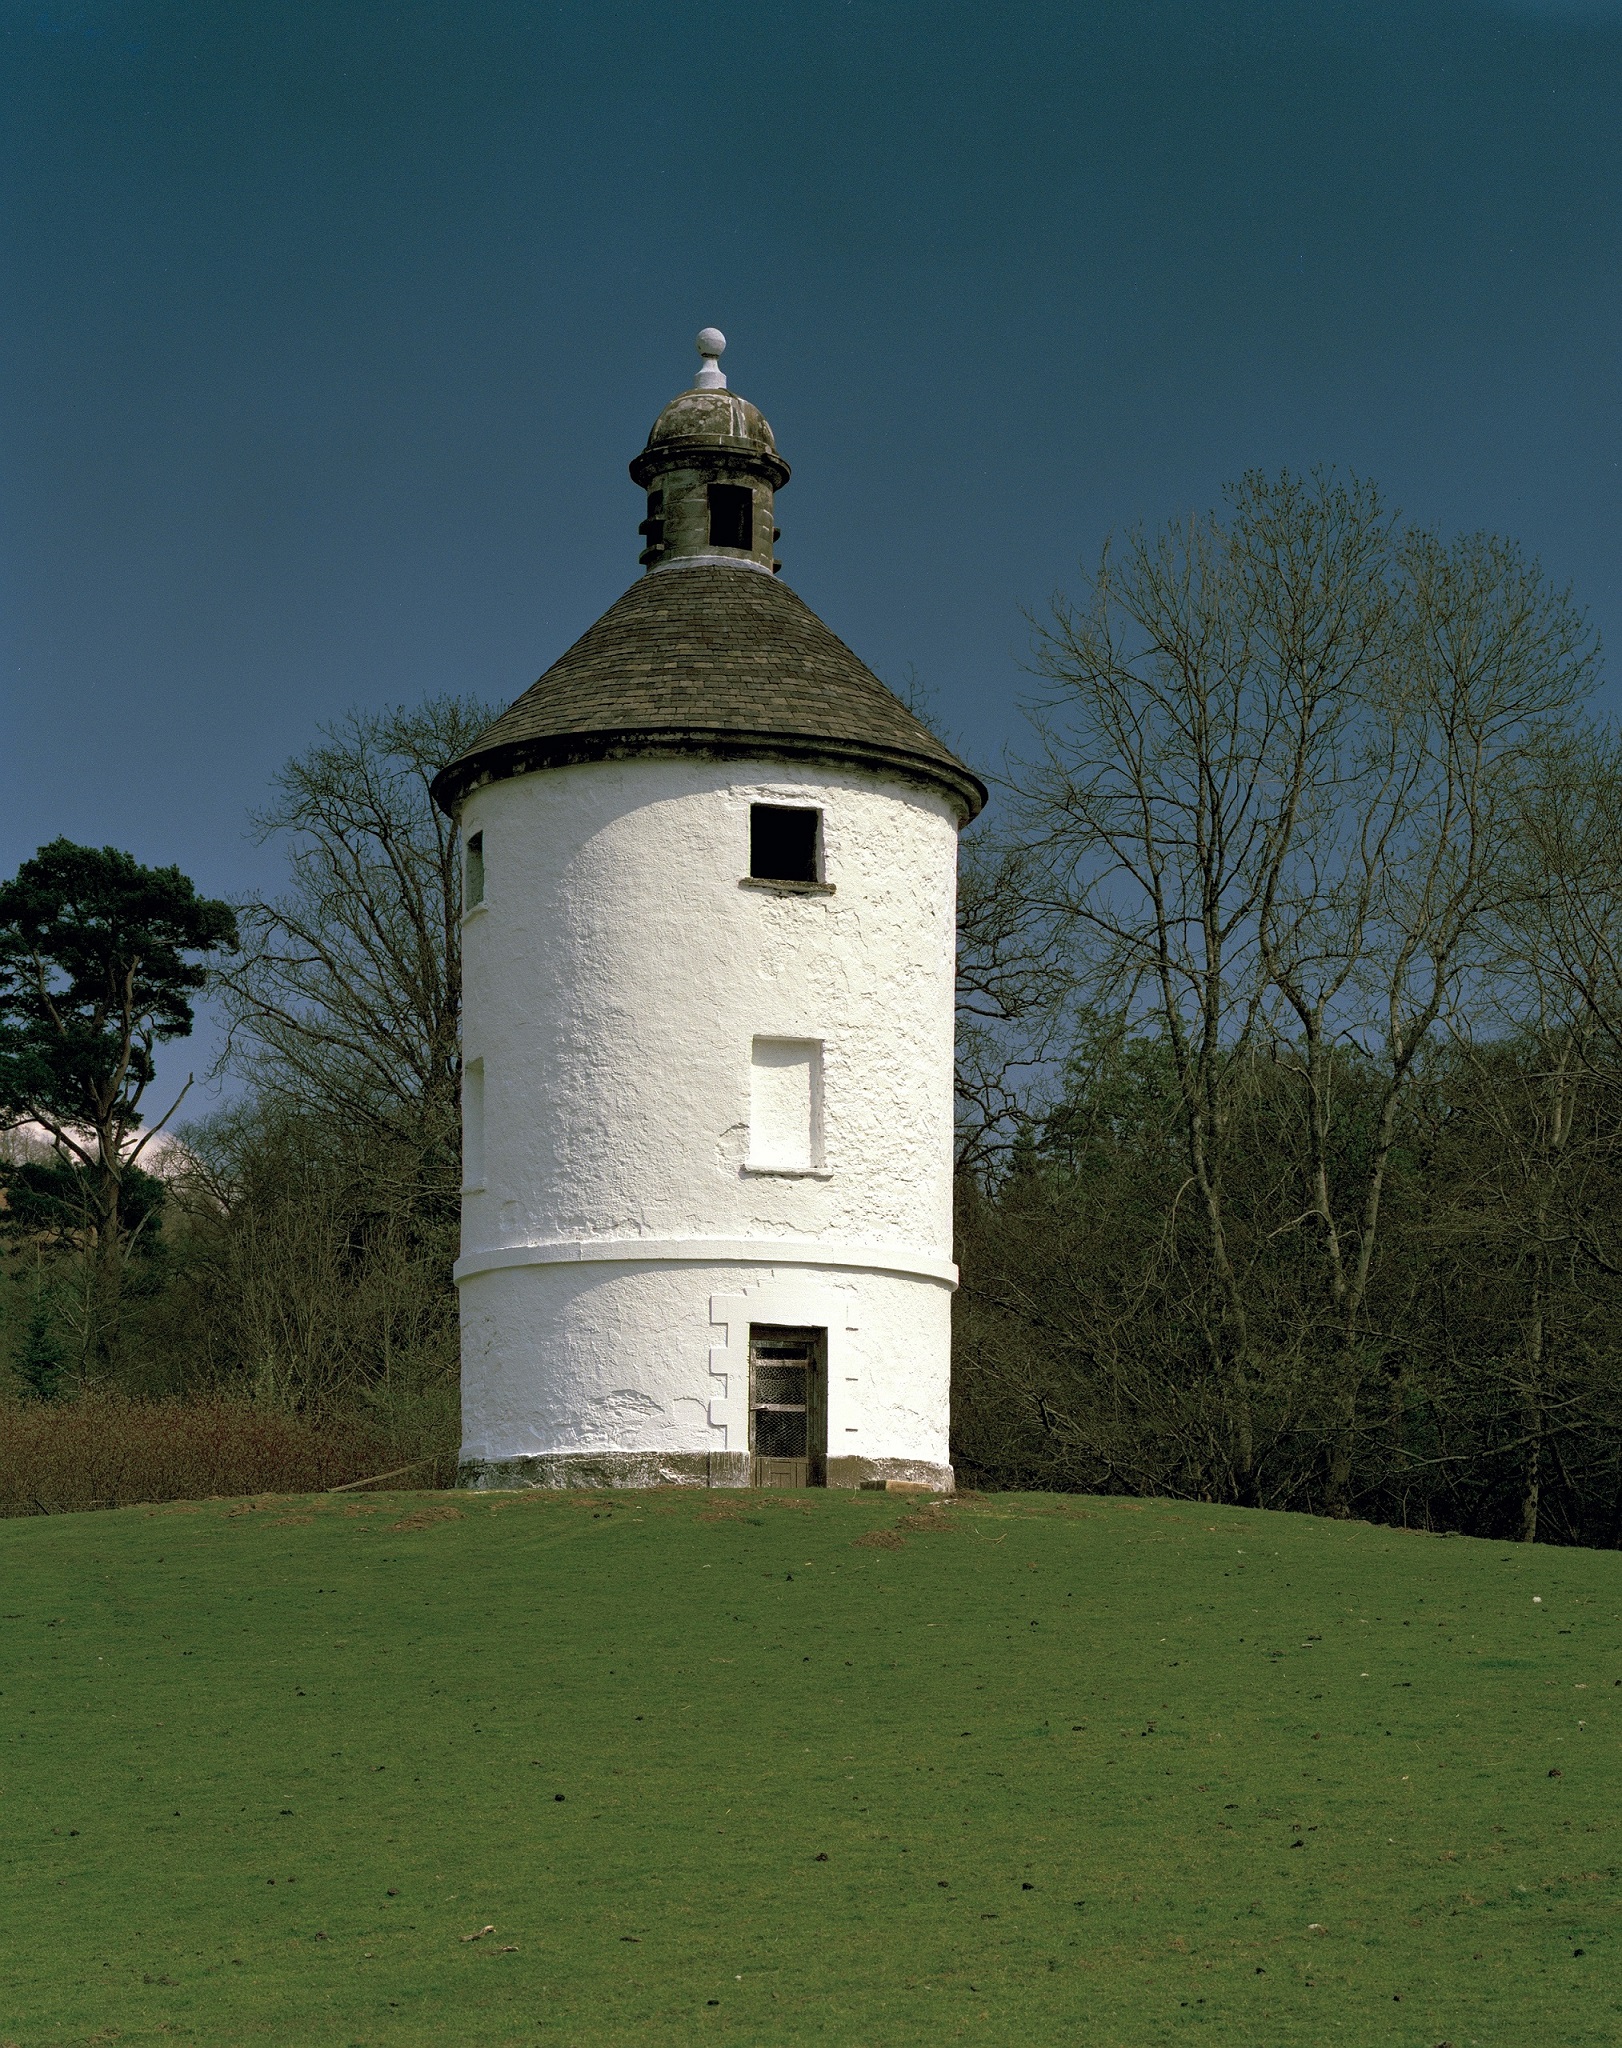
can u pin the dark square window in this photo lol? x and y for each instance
(475, 870)
(783, 843)
(732, 516)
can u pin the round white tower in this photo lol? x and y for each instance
(708, 960)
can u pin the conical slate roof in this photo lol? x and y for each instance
(714, 659)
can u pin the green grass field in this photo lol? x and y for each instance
(690, 1767)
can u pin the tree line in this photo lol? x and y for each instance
(1290, 1048)
(1292, 1023)
(295, 1246)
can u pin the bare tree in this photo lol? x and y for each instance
(1547, 1059)
(1386, 938)
(347, 998)
(1190, 739)
(1566, 921)
(1012, 984)
(326, 1206)
(318, 1293)
(1281, 756)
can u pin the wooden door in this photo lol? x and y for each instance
(788, 1406)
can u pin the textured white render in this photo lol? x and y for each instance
(587, 1358)
(624, 1000)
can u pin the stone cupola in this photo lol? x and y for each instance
(710, 663)
(710, 469)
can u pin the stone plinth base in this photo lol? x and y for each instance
(685, 1468)
(891, 1475)
(607, 1469)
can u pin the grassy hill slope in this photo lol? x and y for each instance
(777, 1769)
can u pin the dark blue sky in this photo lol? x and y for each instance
(328, 330)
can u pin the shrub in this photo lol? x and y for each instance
(107, 1450)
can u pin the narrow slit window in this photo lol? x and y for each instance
(732, 516)
(785, 843)
(475, 869)
(785, 1105)
(473, 1124)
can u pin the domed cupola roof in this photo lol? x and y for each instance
(709, 420)
(709, 654)
(697, 420)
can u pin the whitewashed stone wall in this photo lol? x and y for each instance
(616, 980)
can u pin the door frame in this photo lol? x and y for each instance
(814, 1336)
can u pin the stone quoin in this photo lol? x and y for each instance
(708, 966)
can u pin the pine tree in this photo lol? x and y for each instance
(39, 1363)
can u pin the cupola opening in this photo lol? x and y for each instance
(785, 843)
(732, 516)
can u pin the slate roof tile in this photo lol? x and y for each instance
(718, 660)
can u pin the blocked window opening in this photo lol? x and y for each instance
(732, 516)
(785, 843)
(473, 1124)
(475, 870)
(788, 1406)
(785, 1105)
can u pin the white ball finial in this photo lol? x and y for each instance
(711, 377)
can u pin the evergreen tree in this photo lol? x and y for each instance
(100, 959)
